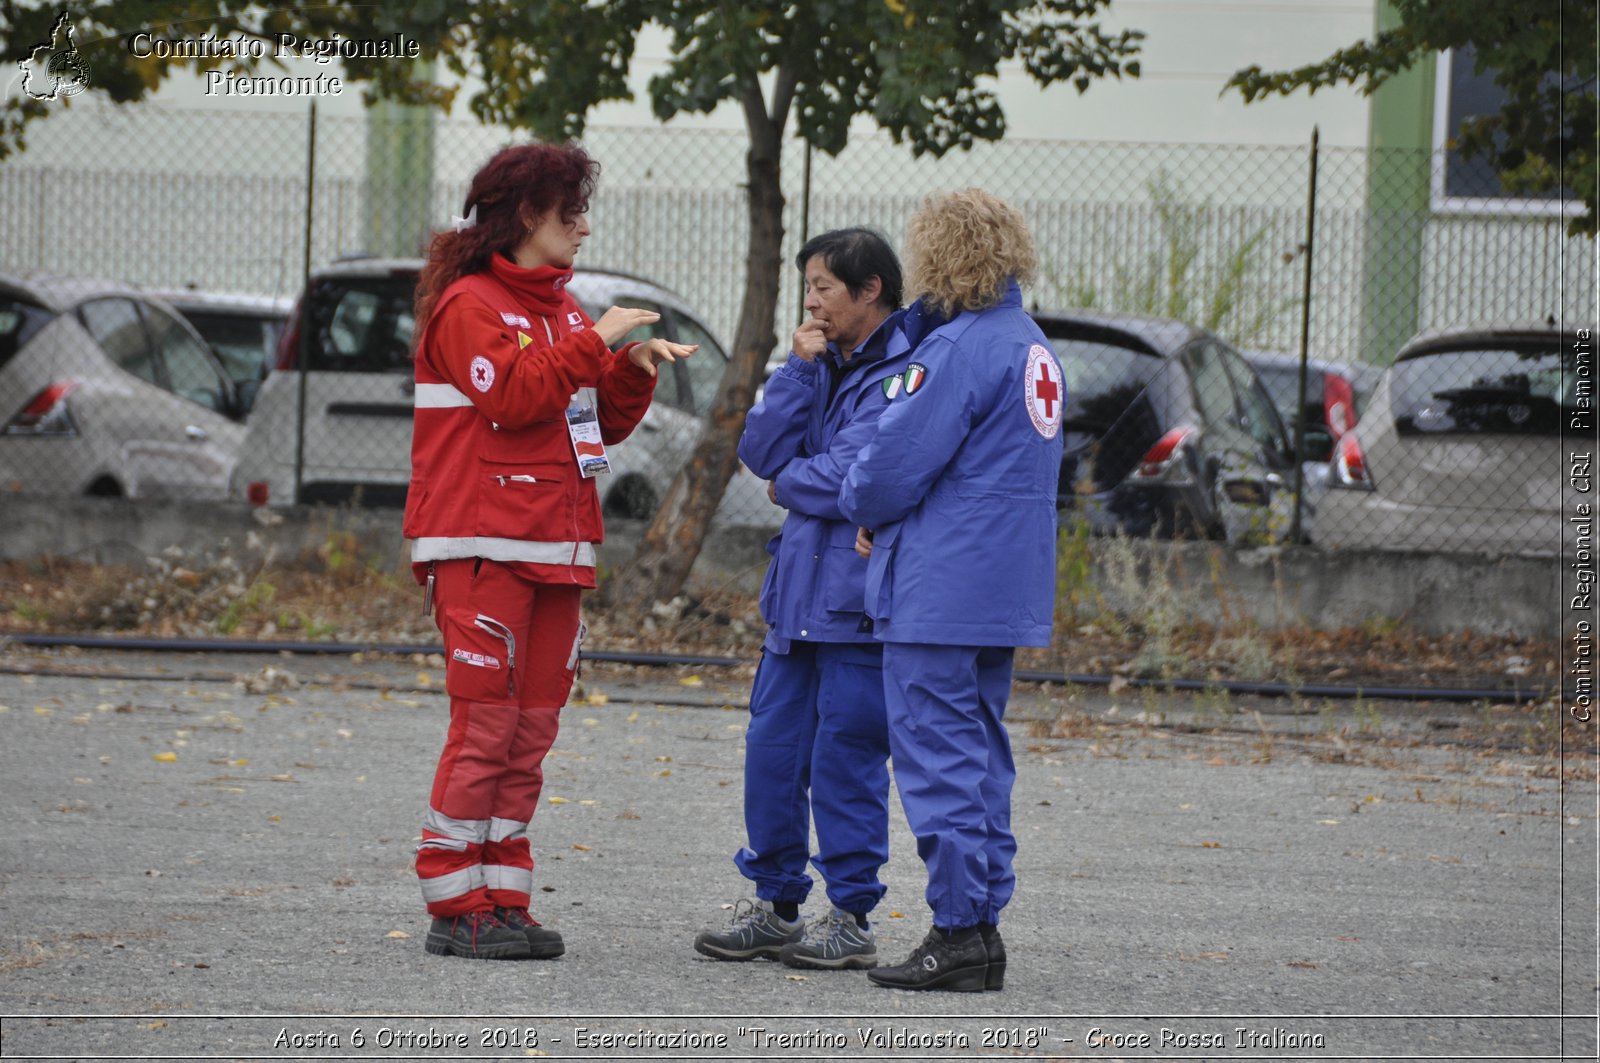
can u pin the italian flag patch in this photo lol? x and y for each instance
(891, 386)
(915, 374)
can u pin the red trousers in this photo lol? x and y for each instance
(511, 650)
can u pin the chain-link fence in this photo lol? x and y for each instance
(1450, 441)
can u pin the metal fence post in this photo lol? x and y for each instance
(1305, 346)
(305, 281)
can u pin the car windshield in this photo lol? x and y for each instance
(362, 324)
(243, 343)
(1109, 420)
(1283, 384)
(1520, 388)
(1103, 379)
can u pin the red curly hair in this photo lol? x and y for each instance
(527, 180)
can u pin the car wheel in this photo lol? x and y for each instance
(631, 499)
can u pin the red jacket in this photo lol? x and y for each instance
(493, 472)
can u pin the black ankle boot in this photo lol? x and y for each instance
(955, 960)
(996, 949)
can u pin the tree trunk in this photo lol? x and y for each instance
(660, 565)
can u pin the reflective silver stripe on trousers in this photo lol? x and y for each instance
(501, 877)
(506, 829)
(455, 884)
(473, 831)
(439, 397)
(445, 548)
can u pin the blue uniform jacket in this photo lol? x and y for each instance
(798, 438)
(959, 485)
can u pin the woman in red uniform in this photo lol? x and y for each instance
(518, 392)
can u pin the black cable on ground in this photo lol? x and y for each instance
(1384, 693)
(689, 660)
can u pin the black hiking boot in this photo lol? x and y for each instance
(543, 943)
(477, 936)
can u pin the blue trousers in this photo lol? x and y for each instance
(953, 767)
(817, 750)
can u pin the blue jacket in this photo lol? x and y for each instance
(959, 484)
(803, 440)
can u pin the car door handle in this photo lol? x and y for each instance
(196, 433)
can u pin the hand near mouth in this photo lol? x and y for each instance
(810, 339)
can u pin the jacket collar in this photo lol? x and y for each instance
(921, 319)
(873, 348)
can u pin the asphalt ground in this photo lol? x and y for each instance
(209, 856)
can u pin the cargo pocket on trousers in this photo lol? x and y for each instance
(480, 657)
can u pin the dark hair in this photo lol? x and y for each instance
(530, 179)
(856, 256)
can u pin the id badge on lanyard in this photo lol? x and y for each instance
(583, 425)
(583, 420)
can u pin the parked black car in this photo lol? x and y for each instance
(1169, 431)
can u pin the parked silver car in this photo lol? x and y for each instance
(107, 391)
(1460, 448)
(352, 331)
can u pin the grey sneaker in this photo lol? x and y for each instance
(754, 932)
(833, 943)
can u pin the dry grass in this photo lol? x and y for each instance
(333, 593)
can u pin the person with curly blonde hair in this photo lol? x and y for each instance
(956, 500)
(966, 248)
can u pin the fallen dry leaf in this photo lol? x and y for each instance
(168, 757)
(692, 681)
(557, 800)
(583, 848)
(398, 935)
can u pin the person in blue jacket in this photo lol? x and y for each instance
(817, 722)
(956, 499)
